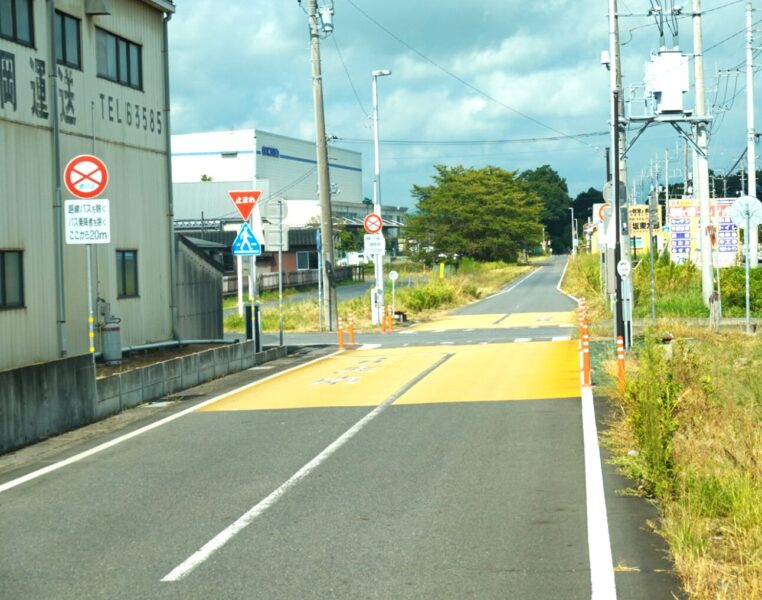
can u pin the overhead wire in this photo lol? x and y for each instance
(475, 142)
(349, 77)
(464, 82)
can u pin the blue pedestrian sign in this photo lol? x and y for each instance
(245, 243)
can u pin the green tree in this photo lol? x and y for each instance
(583, 204)
(553, 192)
(484, 214)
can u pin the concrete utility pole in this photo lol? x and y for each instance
(615, 167)
(324, 184)
(750, 149)
(701, 176)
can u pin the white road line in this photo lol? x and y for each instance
(222, 538)
(406, 332)
(369, 347)
(128, 436)
(446, 343)
(515, 285)
(598, 541)
(522, 340)
(561, 338)
(558, 287)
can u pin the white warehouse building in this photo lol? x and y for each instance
(108, 96)
(279, 166)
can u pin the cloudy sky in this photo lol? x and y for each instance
(474, 82)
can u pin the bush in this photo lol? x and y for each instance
(733, 290)
(426, 297)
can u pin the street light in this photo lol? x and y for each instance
(378, 314)
(573, 230)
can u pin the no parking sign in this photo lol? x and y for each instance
(86, 176)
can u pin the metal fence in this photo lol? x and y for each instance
(269, 281)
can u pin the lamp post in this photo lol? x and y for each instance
(573, 231)
(378, 315)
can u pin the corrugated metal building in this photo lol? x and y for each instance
(107, 94)
(280, 166)
(206, 165)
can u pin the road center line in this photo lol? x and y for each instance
(598, 541)
(222, 538)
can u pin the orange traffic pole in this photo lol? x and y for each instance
(390, 317)
(620, 359)
(383, 321)
(341, 335)
(351, 328)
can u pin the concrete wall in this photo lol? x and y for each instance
(128, 389)
(44, 400)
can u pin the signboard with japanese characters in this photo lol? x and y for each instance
(684, 233)
(87, 104)
(87, 221)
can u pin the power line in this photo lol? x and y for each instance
(349, 77)
(476, 142)
(464, 82)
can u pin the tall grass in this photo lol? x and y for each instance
(688, 429)
(427, 296)
(693, 417)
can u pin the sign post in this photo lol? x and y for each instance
(746, 212)
(374, 224)
(87, 221)
(393, 275)
(245, 201)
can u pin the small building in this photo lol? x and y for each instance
(83, 77)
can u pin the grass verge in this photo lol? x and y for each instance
(688, 432)
(420, 301)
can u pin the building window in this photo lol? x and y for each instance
(126, 273)
(16, 21)
(306, 261)
(68, 49)
(118, 59)
(11, 279)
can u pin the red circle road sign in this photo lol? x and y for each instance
(600, 211)
(86, 176)
(373, 223)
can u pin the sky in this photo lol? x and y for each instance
(474, 83)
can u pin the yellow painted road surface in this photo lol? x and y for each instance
(493, 372)
(496, 321)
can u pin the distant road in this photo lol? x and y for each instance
(444, 462)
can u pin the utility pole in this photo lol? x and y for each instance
(324, 184)
(701, 177)
(615, 167)
(750, 149)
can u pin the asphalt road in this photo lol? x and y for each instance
(445, 462)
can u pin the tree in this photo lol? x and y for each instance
(553, 192)
(583, 204)
(484, 214)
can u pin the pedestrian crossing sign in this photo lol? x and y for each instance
(245, 243)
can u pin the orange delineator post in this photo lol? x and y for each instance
(351, 328)
(390, 319)
(341, 335)
(620, 359)
(383, 321)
